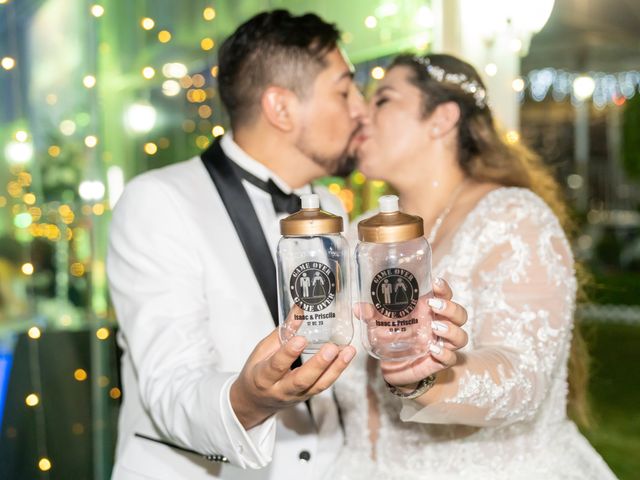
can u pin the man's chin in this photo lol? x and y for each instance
(345, 167)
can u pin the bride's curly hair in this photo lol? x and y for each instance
(484, 156)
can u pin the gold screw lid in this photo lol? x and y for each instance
(390, 225)
(311, 220)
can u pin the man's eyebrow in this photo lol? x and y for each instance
(346, 74)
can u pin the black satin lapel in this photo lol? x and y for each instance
(245, 220)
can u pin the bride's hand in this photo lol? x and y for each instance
(449, 318)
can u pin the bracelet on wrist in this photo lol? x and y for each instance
(423, 386)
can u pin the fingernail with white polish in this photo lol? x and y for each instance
(439, 326)
(439, 281)
(435, 349)
(436, 303)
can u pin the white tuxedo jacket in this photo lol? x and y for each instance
(190, 312)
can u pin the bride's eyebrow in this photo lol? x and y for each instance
(381, 90)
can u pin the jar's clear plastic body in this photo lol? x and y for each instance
(394, 283)
(314, 299)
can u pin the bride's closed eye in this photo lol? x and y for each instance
(381, 101)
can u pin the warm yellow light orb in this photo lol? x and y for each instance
(44, 464)
(21, 136)
(164, 36)
(91, 141)
(97, 10)
(102, 333)
(209, 13)
(148, 72)
(150, 148)
(34, 333)
(207, 44)
(217, 130)
(377, 73)
(8, 63)
(80, 375)
(27, 268)
(89, 81)
(147, 23)
(32, 400)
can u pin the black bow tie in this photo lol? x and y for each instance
(282, 202)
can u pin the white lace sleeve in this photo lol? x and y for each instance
(522, 315)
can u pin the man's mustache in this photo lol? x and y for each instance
(350, 160)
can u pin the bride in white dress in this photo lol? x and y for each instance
(501, 411)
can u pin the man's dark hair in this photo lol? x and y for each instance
(271, 48)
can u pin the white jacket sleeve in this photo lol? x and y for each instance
(156, 283)
(523, 316)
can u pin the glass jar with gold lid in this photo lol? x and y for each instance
(314, 300)
(393, 261)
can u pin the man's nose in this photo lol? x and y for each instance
(359, 107)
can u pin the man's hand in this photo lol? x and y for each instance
(267, 384)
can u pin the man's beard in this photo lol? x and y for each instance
(341, 165)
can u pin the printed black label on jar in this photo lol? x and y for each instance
(395, 292)
(313, 286)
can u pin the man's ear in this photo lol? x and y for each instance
(279, 106)
(444, 119)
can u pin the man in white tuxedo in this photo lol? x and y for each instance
(208, 391)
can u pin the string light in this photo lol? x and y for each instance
(150, 148)
(115, 393)
(89, 81)
(27, 268)
(209, 13)
(148, 73)
(91, 141)
(53, 150)
(377, 73)
(21, 136)
(370, 22)
(67, 127)
(207, 44)
(80, 375)
(170, 88)
(140, 117)
(44, 464)
(77, 269)
(217, 130)
(98, 209)
(97, 10)
(102, 333)
(32, 400)
(34, 333)
(491, 69)
(29, 198)
(518, 85)
(202, 142)
(512, 136)
(147, 23)
(198, 80)
(204, 111)
(164, 36)
(8, 63)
